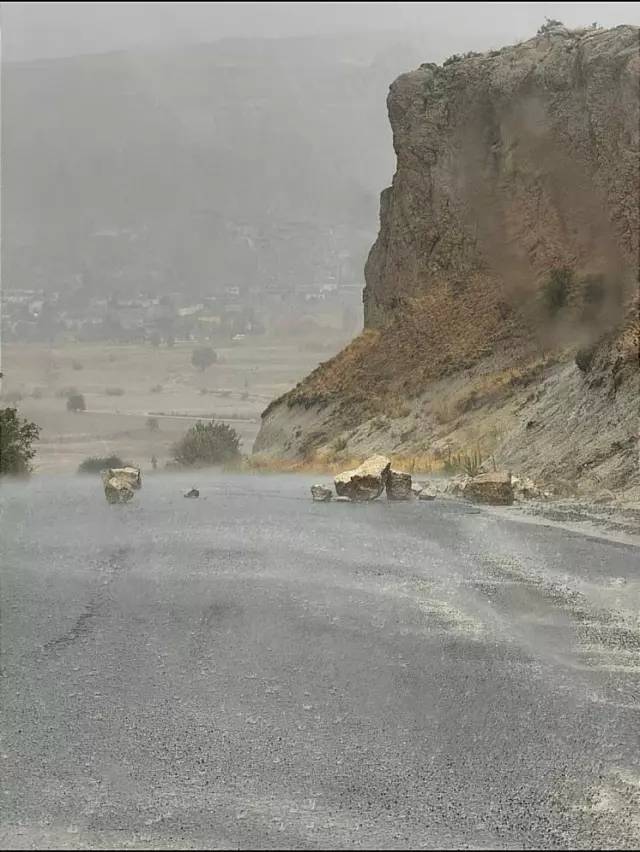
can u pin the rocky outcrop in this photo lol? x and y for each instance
(366, 482)
(505, 263)
(491, 488)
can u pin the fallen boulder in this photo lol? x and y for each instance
(525, 488)
(131, 475)
(416, 489)
(193, 493)
(491, 488)
(120, 483)
(321, 494)
(366, 482)
(398, 485)
(117, 490)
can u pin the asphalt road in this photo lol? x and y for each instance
(252, 670)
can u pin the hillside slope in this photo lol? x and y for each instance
(508, 244)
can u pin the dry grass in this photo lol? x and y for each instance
(433, 336)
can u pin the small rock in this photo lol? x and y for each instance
(193, 493)
(321, 494)
(398, 485)
(426, 495)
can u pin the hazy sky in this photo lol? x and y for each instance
(33, 30)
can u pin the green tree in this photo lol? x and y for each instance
(16, 443)
(207, 444)
(203, 357)
(75, 402)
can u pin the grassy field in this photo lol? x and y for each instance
(124, 385)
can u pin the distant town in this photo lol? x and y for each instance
(232, 313)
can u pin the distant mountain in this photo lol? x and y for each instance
(244, 162)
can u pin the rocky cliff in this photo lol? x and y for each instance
(499, 303)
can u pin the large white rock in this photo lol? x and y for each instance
(366, 482)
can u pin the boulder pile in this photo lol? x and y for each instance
(367, 482)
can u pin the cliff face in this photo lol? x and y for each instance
(508, 241)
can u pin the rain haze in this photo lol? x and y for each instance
(319, 486)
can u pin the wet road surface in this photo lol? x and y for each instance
(252, 670)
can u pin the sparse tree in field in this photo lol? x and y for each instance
(76, 403)
(207, 444)
(17, 436)
(203, 357)
(153, 424)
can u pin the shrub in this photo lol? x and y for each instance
(96, 464)
(153, 424)
(340, 444)
(467, 462)
(77, 365)
(75, 402)
(555, 290)
(114, 391)
(207, 444)
(203, 357)
(156, 389)
(16, 443)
